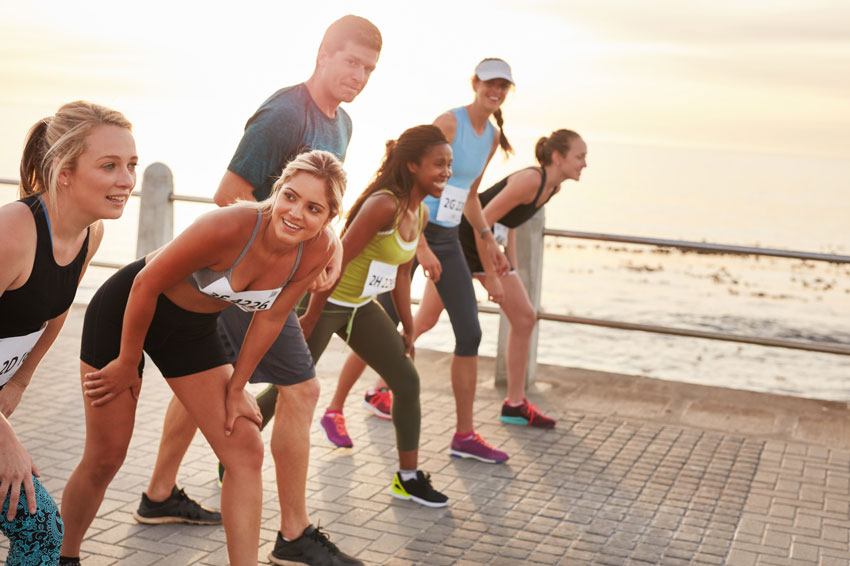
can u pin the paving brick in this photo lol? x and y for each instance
(601, 489)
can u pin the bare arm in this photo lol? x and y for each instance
(208, 242)
(232, 188)
(264, 329)
(401, 300)
(375, 215)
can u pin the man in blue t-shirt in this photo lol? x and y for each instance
(294, 119)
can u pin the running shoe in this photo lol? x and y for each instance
(313, 548)
(418, 490)
(526, 414)
(476, 447)
(334, 425)
(178, 508)
(380, 403)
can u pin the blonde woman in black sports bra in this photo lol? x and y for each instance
(261, 257)
(78, 167)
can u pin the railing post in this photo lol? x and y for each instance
(529, 244)
(156, 212)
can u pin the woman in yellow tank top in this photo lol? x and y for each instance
(379, 242)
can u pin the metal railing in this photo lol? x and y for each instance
(156, 228)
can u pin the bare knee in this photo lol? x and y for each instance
(102, 464)
(244, 448)
(524, 320)
(299, 399)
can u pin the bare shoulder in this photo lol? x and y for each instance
(447, 124)
(17, 249)
(316, 254)
(18, 226)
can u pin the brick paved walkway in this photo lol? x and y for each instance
(674, 481)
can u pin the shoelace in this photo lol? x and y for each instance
(189, 507)
(478, 439)
(324, 539)
(379, 397)
(339, 424)
(533, 411)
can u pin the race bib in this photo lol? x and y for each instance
(451, 205)
(500, 232)
(248, 301)
(380, 279)
(13, 352)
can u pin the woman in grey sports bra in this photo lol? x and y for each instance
(247, 254)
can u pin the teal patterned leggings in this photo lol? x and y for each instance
(34, 540)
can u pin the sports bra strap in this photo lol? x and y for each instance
(250, 241)
(294, 267)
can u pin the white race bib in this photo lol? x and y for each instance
(451, 205)
(500, 232)
(248, 301)
(13, 352)
(380, 279)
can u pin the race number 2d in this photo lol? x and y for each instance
(13, 353)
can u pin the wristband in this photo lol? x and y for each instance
(484, 231)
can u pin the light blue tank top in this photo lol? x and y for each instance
(469, 156)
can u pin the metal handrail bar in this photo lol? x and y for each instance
(808, 346)
(680, 244)
(822, 347)
(698, 246)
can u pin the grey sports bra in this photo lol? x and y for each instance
(216, 284)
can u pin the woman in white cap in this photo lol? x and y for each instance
(474, 140)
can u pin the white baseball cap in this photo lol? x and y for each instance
(489, 69)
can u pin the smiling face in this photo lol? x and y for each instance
(433, 170)
(301, 208)
(104, 174)
(345, 72)
(490, 94)
(574, 161)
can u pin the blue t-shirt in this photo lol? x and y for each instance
(469, 156)
(286, 124)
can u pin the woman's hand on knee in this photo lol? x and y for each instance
(16, 471)
(240, 403)
(115, 378)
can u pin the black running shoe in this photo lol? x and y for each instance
(178, 508)
(313, 548)
(418, 490)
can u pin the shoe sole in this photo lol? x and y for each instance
(281, 562)
(418, 500)
(169, 520)
(459, 454)
(374, 410)
(524, 422)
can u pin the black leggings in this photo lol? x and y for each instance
(455, 289)
(375, 339)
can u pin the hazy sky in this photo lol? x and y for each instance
(766, 75)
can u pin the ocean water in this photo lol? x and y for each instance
(781, 201)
